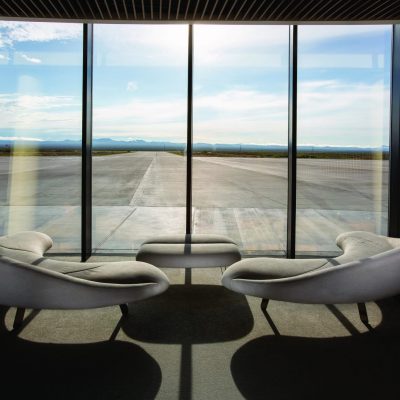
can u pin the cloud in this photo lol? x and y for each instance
(330, 112)
(12, 32)
(19, 138)
(3, 57)
(132, 86)
(58, 117)
(31, 59)
(342, 113)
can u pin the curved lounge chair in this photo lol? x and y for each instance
(368, 270)
(29, 280)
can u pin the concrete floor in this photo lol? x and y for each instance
(142, 194)
(203, 342)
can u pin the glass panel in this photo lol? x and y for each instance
(40, 130)
(240, 135)
(343, 133)
(139, 167)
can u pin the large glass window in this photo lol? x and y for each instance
(40, 130)
(139, 174)
(240, 135)
(343, 133)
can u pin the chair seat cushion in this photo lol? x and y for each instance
(189, 251)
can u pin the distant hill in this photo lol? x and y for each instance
(132, 145)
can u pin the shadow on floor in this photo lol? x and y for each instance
(104, 370)
(361, 366)
(187, 315)
(190, 314)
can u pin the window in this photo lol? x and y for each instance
(139, 131)
(240, 134)
(40, 130)
(343, 133)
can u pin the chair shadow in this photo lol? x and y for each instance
(363, 365)
(103, 370)
(187, 315)
(190, 314)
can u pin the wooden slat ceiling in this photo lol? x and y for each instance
(235, 11)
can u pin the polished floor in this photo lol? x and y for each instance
(201, 341)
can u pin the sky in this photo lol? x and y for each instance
(240, 83)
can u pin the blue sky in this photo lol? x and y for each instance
(240, 83)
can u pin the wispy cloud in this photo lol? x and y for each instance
(330, 112)
(20, 138)
(58, 117)
(32, 60)
(132, 86)
(12, 32)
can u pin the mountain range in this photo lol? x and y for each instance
(137, 144)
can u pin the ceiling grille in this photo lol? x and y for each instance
(234, 11)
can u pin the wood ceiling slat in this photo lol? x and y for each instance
(143, 10)
(308, 13)
(30, 9)
(276, 9)
(326, 10)
(213, 9)
(348, 6)
(151, 9)
(107, 8)
(125, 9)
(187, 9)
(90, 8)
(134, 9)
(335, 9)
(288, 5)
(239, 10)
(169, 10)
(204, 9)
(3, 9)
(272, 2)
(46, 8)
(116, 9)
(55, 8)
(230, 10)
(258, 9)
(99, 9)
(321, 12)
(374, 8)
(63, 8)
(20, 9)
(293, 13)
(248, 10)
(195, 10)
(81, 8)
(390, 12)
(73, 9)
(222, 10)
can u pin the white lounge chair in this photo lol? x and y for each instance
(368, 270)
(29, 280)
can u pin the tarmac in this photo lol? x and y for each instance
(142, 194)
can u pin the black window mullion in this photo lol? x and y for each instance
(87, 106)
(292, 144)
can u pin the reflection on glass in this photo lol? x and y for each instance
(343, 133)
(139, 174)
(40, 130)
(240, 135)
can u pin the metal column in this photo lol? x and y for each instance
(87, 92)
(292, 144)
(189, 134)
(394, 180)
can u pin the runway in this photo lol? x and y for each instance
(141, 194)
